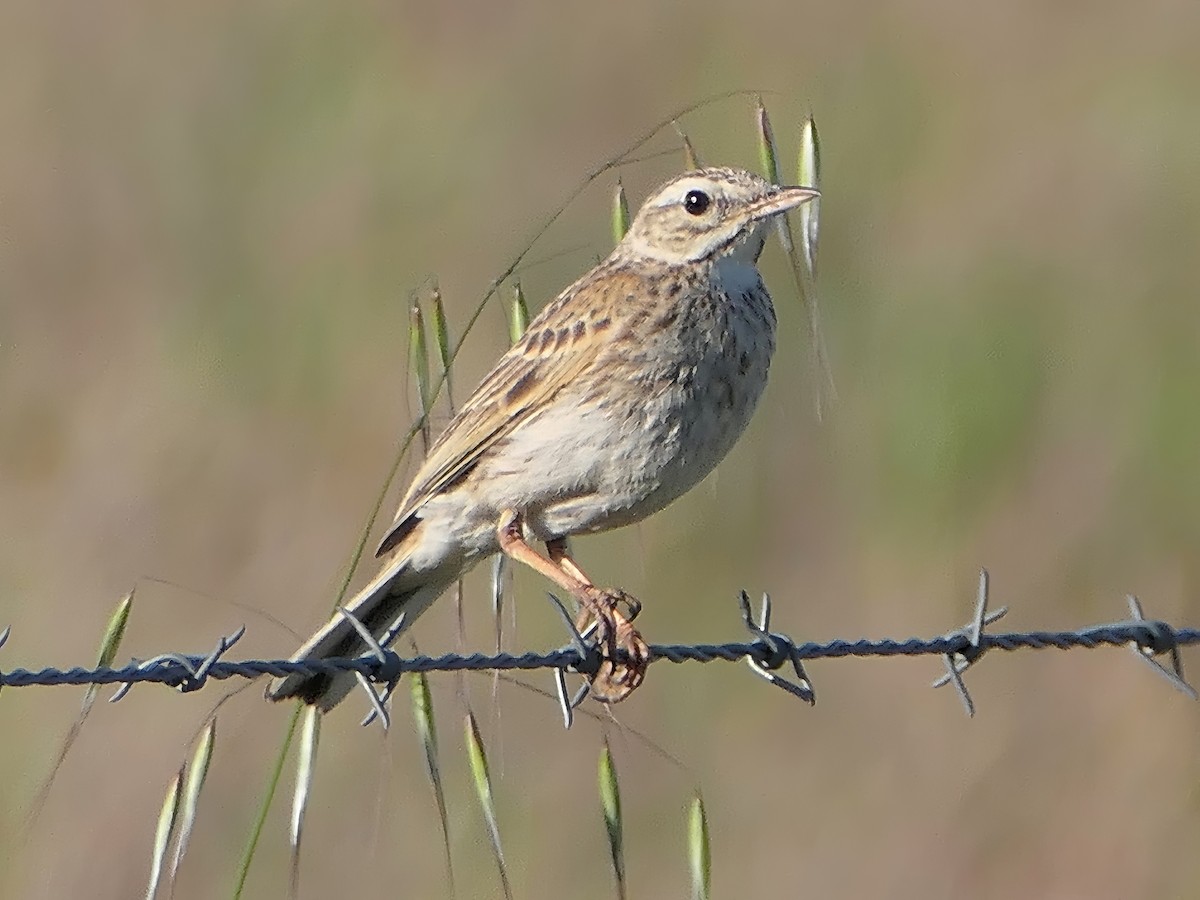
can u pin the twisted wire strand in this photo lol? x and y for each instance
(190, 672)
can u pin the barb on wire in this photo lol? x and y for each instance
(196, 668)
(378, 699)
(1160, 639)
(959, 661)
(766, 652)
(201, 674)
(589, 664)
(783, 650)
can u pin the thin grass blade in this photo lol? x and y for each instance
(193, 783)
(441, 336)
(620, 213)
(260, 820)
(422, 704)
(808, 173)
(803, 261)
(804, 264)
(163, 833)
(499, 582)
(306, 764)
(441, 339)
(768, 155)
(483, 789)
(610, 804)
(418, 355)
(690, 159)
(699, 850)
(518, 319)
(110, 644)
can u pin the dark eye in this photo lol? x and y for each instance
(696, 202)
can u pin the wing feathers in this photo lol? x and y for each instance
(561, 343)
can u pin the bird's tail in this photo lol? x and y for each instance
(398, 591)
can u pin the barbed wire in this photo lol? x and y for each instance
(767, 653)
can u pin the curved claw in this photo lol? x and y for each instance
(624, 654)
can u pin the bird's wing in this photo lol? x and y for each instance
(565, 339)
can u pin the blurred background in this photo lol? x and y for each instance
(212, 220)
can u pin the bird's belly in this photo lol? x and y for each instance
(592, 463)
(679, 442)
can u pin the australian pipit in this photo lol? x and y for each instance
(623, 393)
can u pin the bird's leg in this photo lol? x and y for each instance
(559, 552)
(615, 681)
(624, 654)
(514, 546)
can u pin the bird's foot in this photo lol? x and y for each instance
(624, 655)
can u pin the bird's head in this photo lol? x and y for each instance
(709, 213)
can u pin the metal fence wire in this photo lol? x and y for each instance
(769, 654)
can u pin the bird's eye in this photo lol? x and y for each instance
(696, 202)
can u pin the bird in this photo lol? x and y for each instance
(624, 392)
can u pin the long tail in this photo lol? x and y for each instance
(397, 590)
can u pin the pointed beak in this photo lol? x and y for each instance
(780, 200)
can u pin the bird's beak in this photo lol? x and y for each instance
(780, 200)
